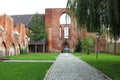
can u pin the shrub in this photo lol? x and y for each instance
(23, 50)
(78, 47)
(87, 45)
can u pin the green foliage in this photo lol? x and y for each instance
(102, 31)
(106, 63)
(94, 13)
(81, 11)
(87, 44)
(113, 19)
(78, 47)
(86, 12)
(23, 70)
(37, 27)
(93, 18)
(23, 50)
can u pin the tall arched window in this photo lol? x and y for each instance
(65, 20)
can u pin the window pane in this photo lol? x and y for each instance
(66, 32)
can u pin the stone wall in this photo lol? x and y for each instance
(109, 47)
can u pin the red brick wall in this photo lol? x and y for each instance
(7, 23)
(8, 36)
(52, 23)
(22, 30)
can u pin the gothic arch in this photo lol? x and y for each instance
(63, 16)
(12, 50)
(3, 49)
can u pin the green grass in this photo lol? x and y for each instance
(106, 63)
(23, 71)
(37, 56)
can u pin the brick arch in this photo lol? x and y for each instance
(67, 15)
(17, 49)
(62, 14)
(12, 50)
(3, 51)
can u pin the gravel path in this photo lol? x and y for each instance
(69, 67)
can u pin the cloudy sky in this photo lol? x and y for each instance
(13, 7)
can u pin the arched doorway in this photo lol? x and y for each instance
(3, 49)
(12, 50)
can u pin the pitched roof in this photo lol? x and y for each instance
(25, 19)
(40, 42)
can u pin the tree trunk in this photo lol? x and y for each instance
(43, 48)
(35, 47)
(115, 47)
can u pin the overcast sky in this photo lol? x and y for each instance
(13, 7)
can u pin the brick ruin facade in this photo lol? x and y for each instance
(12, 38)
(56, 40)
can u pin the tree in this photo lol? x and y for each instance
(78, 46)
(114, 20)
(37, 27)
(87, 44)
(86, 13)
(94, 13)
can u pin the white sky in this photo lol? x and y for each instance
(13, 7)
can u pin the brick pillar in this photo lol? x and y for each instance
(50, 39)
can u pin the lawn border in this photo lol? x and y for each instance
(97, 70)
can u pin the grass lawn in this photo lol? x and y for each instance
(37, 56)
(106, 63)
(23, 71)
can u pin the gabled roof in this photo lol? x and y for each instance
(25, 19)
(40, 42)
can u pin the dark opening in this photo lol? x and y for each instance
(32, 48)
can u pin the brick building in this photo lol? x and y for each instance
(13, 37)
(26, 20)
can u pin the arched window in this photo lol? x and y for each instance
(65, 20)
